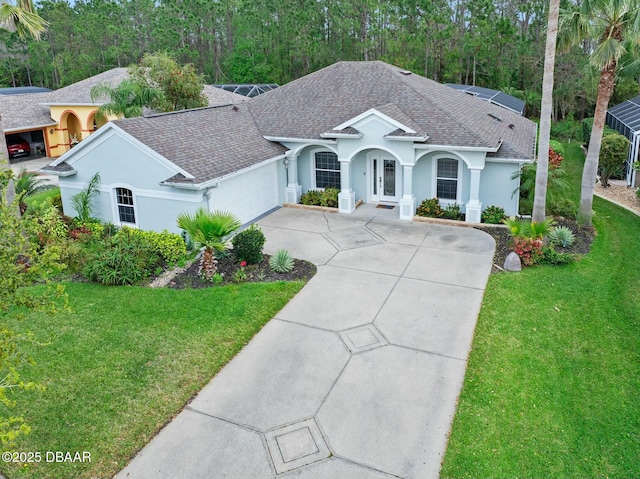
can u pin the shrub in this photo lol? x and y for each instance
(330, 197)
(568, 129)
(452, 212)
(529, 230)
(564, 207)
(248, 244)
(281, 262)
(555, 158)
(556, 146)
(562, 236)
(613, 155)
(529, 250)
(124, 259)
(551, 257)
(169, 246)
(556, 185)
(83, 201)
(311, 197)
(493, 215)
(430, 208)
(587, 125)
(44, 224)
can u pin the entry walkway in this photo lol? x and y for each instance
(358, 376)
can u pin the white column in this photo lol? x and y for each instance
(293, 190)
(474, 205)
(347, 197)
(408, 202)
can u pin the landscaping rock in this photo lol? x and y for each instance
(512, 262)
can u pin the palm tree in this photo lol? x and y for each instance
(23, 19)
(26, 184)
(540, 197)
(609, 23)
(209, 230)
(127, 99)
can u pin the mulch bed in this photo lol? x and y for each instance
(584, 238)
(227, 267)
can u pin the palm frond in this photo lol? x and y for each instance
(22, 20)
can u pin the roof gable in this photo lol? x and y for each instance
(335, 95)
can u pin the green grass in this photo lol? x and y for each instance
(125, 362)
(553, 385)
(40, 197)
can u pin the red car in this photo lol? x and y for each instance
(17, 146)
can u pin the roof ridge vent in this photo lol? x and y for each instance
(404, 72)
(497, 118)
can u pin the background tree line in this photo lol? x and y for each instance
(497, 44)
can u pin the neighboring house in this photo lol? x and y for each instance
(378, 133)
(625, 119)
(53, 121)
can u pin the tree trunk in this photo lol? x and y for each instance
(590, 171)
(542, 169)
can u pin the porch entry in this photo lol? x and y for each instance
(384, 178)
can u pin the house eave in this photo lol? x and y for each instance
(341, 135)
(28, 128)
(420, 139)
(284, 139)
(61, 174)
(431, 146)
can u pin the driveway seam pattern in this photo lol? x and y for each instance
(319, 375)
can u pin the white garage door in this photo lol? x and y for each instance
(249, 194)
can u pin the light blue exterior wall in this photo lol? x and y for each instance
(496, 186)
(359, 176)
(122, 164)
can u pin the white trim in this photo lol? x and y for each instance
(406, 138)
(314, 144)
(382, 155)
(433, 147)
(163, 195)
(27, 129)
(312, 161)
(489, 159)
(373, 112)
(214, 183)
(341, 135)
(105, 133)
(434, 180)
(285, 139)
(114, 205)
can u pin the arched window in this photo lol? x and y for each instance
(327, 169)
(447, 179)
(126, 207)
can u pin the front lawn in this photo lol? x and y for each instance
(552, 387)
(125, 362)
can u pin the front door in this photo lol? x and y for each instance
(385, 179)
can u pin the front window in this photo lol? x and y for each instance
(126, 211)
(447, 179)
(327, 169)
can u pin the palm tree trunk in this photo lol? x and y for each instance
(208, 264)
(542, 170)
(590, 171)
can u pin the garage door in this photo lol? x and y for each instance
(249, 194)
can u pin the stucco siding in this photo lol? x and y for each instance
(496, 187)
(422, 179)
(119, 160)
(248, 194)
(358, 176)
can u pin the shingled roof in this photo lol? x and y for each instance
(317, 103)
(21, 112)
(207, 142)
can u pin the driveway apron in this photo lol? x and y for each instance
(358, 376)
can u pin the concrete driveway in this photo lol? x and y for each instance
(358, 376)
